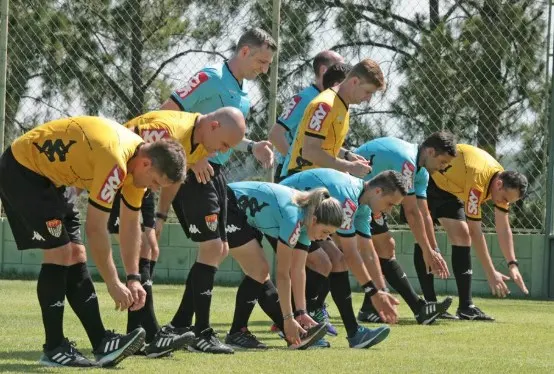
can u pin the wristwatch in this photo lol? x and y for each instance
(514, 262)
(249, 147)
(133, 277)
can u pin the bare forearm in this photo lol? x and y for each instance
(243, 145)
(167, 194)
(480, 245)
(356, 264)
(415, 221)
(101, 251)
(319, 157)
(298, 279)
(371, 262)
(283, 289)
(506, 242)
(129, 237)
(278, 139)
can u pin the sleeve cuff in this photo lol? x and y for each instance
(473, 219)
(98, 206)
(363, 235)
(502, 209)
(283, 124)
(314, 135)
(129, 205)
(346, 235)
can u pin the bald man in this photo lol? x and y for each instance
(200, 135)
(282, 132)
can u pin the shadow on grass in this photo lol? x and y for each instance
(30, 364)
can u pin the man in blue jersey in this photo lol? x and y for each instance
(414, 163)
(205, 221)
(282, 132)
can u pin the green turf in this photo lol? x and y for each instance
(520, 341)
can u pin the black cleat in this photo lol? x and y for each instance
(448, 316)
(312, 336)
(207, 342)
(116, 347)
(164, 343)
(370, 315)
(65, 355)
(244, 339)
(430, 311)
(472, 313)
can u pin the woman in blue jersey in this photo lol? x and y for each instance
(290, 219)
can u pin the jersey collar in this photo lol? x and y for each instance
(192, 145)
(316, 88)
(342, 101)
(233, 75)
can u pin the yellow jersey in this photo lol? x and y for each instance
(90, 153)
(160, 124)
(326, 117)
(468, 178)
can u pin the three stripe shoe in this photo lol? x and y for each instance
(430, 311)
(244, 339)
(369, 315)
(65, 355)
(164, 343)
(365, 338)
(116, 347)
(472, 313)
(207, 342)
(312, 336)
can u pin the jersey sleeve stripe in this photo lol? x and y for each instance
(344, 235)
(129, 205)
(314, 135)
(501, 209)
(284, 242)
(363, 235)
(421, 197)
(473, 219)
(98, 206)
(301, 246)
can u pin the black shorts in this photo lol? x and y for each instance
(39, 213)
(378, 224)
(443, 204)
(273, 243)
(202, 208)
(147, 210)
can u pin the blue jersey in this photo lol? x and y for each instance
(269, 208)
(343, 187)
(292, 114)
(210, 89)
(391, 153)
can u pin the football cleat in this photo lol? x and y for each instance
(65, 355)
(116, 347)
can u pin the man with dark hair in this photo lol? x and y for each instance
(282, 132)
(456, 195)
(320, 135)
(102, 157)
(414, 163)
(336, 74)
(205, 222)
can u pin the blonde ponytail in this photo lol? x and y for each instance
(319, 204)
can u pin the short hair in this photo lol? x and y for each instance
(323, 58)
(390, 181)
(168, 157)
(515, 180)
(369, 71)
(256, 38)
(335, 74)
(443, 142)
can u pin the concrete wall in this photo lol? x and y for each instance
(178, 254)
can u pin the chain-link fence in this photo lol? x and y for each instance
(477, 68)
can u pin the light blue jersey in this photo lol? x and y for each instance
(269, 208)
(210, 89)
(391, 153)
(343, 187)
(292, 115)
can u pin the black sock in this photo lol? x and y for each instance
(313, 283)
(152, 265)
(269, 302)
(183, 316)
(367, 305)
(134, 318)
(398, 280)
(323, 292)
(247, 296)
(81, 295)
(202, 286)
(342, 296)
(426, 281)
(461, 266)
(51, 296)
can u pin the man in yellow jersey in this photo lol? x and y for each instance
(320, 135)
(101, 156)
(200, 135)
(455, 197)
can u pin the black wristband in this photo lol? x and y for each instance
(514, 262)
(299, 312)
(346, 153)
(161, 216)
(249, 147)
(385, 289)
(133, 277)
(370, 289)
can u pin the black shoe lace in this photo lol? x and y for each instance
(71, 348)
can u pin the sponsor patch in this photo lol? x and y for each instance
(349, 208)
(379, 219)
(323, 109)
(113, 182)
(151, 136)
(473, 199)
(289, 107)
(192, 84)
(211, 222)
(54, 227)
(293, 239)
(408, 170)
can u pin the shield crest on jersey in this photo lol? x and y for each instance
(211, 222)
(54, 227)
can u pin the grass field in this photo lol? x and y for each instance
(521, 340)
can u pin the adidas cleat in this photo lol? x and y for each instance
(164, 343)
(65, 355)
(430, 311)
(313, 334)
(207, 342)
(116, 347)
(369, 315)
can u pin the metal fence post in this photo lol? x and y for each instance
(4, 5)
(275, 26)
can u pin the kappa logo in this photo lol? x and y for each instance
(193, 229)
(52, 148)
(253, 302)
(54, 227)
(293, 239)
(289, 108)
(473, 201)
(244, 202)
(113, 182)
(116, 222)
(349, 208)
(206, 293)
(231, 229)
(211, 221)
(408, 170)
(58, 304)
(91, 297)
(151, 136)
(38, 237)
(319, 116)
(192, 84)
